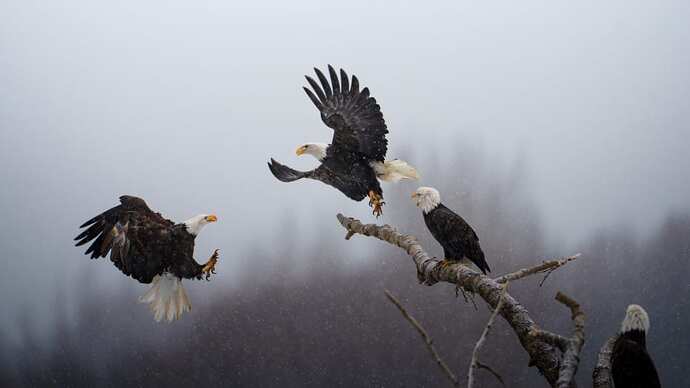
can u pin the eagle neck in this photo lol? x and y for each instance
(194, 225)
(428, 205)
(638, 336)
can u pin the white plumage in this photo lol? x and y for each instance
(636, 318)
(394, 170)
(167, 298)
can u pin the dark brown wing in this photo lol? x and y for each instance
(136, 237)
(354, 116)
(456, 236)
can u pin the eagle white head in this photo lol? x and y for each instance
(196, 223)
(426, 198)
(317, 150)
(636, 318)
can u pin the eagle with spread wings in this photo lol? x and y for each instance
(355, 160)
(151, 249)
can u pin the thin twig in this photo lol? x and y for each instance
(547, 266)
(427, 340)
(493, 372)
(477, 347)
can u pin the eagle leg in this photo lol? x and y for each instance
(210, 266)
(443, 264)
(376, 201)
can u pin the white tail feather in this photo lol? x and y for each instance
(394, 170)
(167, 298)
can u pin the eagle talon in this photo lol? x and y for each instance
(443, 264)
(376, 201)
(210, 266)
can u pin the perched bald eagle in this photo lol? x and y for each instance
(458, 239)
(355, 160)
(151, 249)
(631, 365)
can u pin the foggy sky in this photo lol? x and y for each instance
(183, 103)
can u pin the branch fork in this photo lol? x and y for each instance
(555, 356)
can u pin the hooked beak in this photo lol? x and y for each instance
(211, 218)
(414, 195)
(301, 150)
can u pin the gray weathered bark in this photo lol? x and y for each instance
(601, 377)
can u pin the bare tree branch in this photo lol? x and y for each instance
(570, 347)
(474, 365)
(552, 339)
(601, 377)
(547, 266)
(427, 340)
(493, 372)
(571, 357)
(543, 355)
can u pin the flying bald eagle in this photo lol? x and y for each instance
(631, 365)
(458, 239)
(355, 160)
(151, 249)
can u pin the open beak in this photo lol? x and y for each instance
(211, 218)
(301, 150)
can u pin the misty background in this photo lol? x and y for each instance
(552, 128)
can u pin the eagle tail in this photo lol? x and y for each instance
(480, 263)
(167, 298)
(394, 170)
(285, 173)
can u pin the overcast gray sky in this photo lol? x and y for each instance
(182, 103)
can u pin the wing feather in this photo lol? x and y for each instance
(313, 99)
(334, 80)
(324, 84)
(317, 89)
(345, 87)
(354, 115)
(285, 173)
(122, 228)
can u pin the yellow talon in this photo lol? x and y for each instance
(210, 266)
(376, 201)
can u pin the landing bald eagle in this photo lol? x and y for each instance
(631, 365)
(355, 160)
(151, 249)
(458, 239)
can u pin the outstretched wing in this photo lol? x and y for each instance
(352, 182)
(134, 235)
(285, 173)
(354, 116)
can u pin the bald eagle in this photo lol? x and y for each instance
(631, 365)
(151, 249)
(458, 239)
(355, 160)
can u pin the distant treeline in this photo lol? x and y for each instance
(332, 325)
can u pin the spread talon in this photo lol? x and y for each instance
(210, 266)
(376, 201)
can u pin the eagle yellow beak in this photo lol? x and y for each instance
(211, 218)
(301, 150)
(414, 195)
